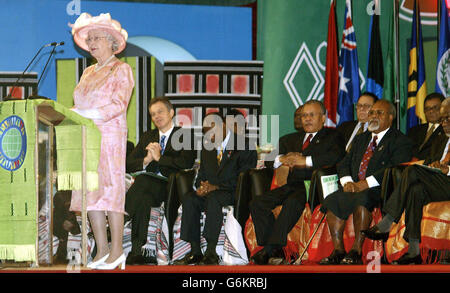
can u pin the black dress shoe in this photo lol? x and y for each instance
(139, 259)
(334, 259)
(210, 258)
(407, 259)
(260, 258)
(189, 259)
(375, 234)
(352, 258)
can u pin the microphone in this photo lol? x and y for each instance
(54, 44)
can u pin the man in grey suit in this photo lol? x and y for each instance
(360, 175)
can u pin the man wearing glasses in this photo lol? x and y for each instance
(360, 175)
(419, 186)
(423, 135)
(350, 129)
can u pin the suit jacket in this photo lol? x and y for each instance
(417, 135)
(325, 149)
(393, 149)
(346, 129)
(234, 161)
(170, 162)
(437, 149)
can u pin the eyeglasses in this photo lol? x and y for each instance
(434, 108)
(363, 106)
(305, 115)
(376, 112)
(94, 39)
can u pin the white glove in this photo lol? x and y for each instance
(88, 113)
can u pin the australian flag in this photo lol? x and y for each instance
(349, 90)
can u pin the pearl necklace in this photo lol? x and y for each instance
(97, 68)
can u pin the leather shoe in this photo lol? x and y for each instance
(352, 258)
(138, 259)
(260, 258)
(334, 259)
(210, 259)
(407, 259)
(189, 259)
(375, 234)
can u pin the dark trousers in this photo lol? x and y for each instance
(211, 204)
(417, 188)
(146, 192)
(274, 232)
(61, 213)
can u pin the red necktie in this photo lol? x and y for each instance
(307, 141)
(366, 158)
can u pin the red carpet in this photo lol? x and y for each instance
(289, 269)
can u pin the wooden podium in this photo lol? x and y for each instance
(28, 172)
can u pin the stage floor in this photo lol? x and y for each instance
(247, 269)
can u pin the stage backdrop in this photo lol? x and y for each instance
(206, 32)
(292, 38)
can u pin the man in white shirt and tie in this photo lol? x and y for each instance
(305, 151)
(155, 154)
(418, 187)
(360, 176)
(350, 129)
(424, 134)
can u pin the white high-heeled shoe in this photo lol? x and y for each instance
(111, 266)
(94, 264)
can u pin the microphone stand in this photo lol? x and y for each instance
(8, 97)
(34, 95)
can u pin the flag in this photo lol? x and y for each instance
(443, 60)
(349, 90)
(417, 89)
(331, 72)
(375, 72)
(390, 78)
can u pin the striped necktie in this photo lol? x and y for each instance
(307, 141)
(162, 143)
(366, 158)
(219, 156)
(427, 136)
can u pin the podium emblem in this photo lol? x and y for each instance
(13, 143)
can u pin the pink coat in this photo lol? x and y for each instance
(109, 91)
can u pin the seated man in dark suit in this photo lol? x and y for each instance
(418, 187)
(350, 129)
(424, 134)
(305, 151)
(223, 157)
(360, 174)
(158, 152)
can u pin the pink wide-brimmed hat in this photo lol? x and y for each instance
(85, 22)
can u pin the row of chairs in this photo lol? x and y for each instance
(256, 182)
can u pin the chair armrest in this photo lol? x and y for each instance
(185, 180)
(315, 188)
(391, 178)
(242, 198)
(260, 180)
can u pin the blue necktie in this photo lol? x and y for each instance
(162, 144)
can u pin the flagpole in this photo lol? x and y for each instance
(397, 61)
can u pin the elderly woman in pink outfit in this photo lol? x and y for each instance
(102, 95)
